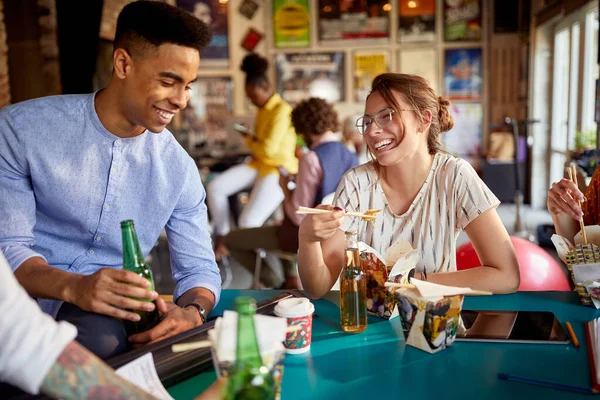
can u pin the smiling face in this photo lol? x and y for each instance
(397, 140)
(156, 84)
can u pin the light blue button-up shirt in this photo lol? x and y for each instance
(66, 183)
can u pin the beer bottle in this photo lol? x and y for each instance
(249, 379)
(353, 289)
(133, 261)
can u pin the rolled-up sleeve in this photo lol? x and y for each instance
(17, 200)
(30, 341)
(192, 258)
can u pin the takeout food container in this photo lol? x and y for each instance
(580, 254)
(429, 324)
(400, 259)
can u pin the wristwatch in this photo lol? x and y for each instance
(200, 309)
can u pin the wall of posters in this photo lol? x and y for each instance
(214, 14)
(422, 62)
(465, 138)
(463, 74)
(291, 23)
(209, 109)
(367, 65)
(304, 75)
(416, 21)
(462, 20)
(353, 19)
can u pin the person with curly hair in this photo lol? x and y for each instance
(319, 173)
(426, 196)
(272, 145)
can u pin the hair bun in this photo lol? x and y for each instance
(445, 119)
(255, 65)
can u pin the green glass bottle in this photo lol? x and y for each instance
(249, 379)
(133, 261)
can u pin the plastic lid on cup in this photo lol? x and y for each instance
(294, 307)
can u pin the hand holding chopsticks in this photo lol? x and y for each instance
(368, 215)
(573, 177)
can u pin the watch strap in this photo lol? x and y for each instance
(200, 309)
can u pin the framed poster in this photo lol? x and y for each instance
(367, 65)
(354, 19)
(463, 74)
(214, 14)
(291, 23)
(464, 139)
(462, 20)
(422, 62)
(304, 75)
(210, 107)
(416, 21)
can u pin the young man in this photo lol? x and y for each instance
(73, 167)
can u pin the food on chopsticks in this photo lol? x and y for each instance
(368, 215)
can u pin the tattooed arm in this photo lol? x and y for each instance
(78, 374)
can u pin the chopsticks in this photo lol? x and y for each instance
(201, 344)
(411, 286)
(308, 210)
(573, 177)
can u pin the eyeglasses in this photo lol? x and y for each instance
(382, 118)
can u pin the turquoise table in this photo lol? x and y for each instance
(377, 363)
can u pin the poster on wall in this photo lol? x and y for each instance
(304, 75)
(416, 21)
(208, 111)
(462, 20)
(214, 14)
(354, 19)
(463, 74)
(367, 65)
(291, 23)
(422, 62)
(464, 139)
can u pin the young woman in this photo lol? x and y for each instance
(272, 145)
(426, 196)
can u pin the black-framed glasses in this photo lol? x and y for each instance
(382, 118)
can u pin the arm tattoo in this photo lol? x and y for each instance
(78, 374)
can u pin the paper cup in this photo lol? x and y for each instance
(298, 312)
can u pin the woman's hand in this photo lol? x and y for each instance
(319, 227)
(563, 197)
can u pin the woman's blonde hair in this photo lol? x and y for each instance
(420, 97)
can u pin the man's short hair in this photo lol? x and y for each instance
(152, 22)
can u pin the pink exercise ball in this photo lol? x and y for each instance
(539, 271)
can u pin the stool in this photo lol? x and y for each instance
(261, 255)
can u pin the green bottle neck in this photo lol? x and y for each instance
(247, 353)
(133, 260)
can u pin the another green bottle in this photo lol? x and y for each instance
(133, 261)
(249, 379)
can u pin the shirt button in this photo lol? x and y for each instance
(91, 251)
(113, 170)
(118, 142)
(106, 207)
(98, 238)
